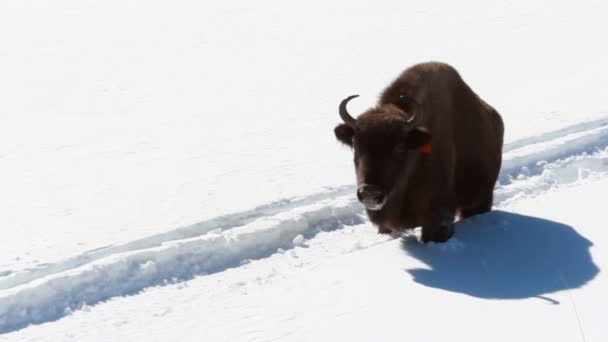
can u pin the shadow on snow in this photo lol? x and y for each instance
(502, 255)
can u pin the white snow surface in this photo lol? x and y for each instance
(169, 172)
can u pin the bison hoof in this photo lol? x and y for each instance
(438, 234)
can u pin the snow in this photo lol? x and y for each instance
(298, 240)
(329, 290)
(46, 294)
(170, 173)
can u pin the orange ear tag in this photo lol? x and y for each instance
(426, 149)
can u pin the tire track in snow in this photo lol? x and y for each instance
(51, 291)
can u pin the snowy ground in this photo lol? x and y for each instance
(169, 172)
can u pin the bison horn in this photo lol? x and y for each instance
(411, 118)
(347, 118)
(411, 104)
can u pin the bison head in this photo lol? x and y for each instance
(385, 141)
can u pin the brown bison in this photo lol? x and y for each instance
(431, 148)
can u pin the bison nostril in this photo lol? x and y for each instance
(371, 192)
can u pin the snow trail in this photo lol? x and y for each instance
(123, 273)
(13, 278)
(530, 166)
(531, 158)
(556, 134)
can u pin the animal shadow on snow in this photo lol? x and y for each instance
(502, 255)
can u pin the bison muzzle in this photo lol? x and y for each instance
(428, 151)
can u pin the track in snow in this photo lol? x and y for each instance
(13, 278)
(49, 292)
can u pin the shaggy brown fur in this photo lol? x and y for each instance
(403, 187)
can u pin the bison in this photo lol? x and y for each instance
(428, 151)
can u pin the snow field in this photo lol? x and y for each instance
(138, 137)
(577, 154)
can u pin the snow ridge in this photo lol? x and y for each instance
(566, 156)
(14, 278)
(531, 159)
(129, 271)
(49, 292)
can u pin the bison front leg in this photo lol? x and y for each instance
(440, 227)
(390, 231)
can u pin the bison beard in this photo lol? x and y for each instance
(429, 150)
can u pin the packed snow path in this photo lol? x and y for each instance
(48, 292)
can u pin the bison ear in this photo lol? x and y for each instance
(417, 138)
(344, 133)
